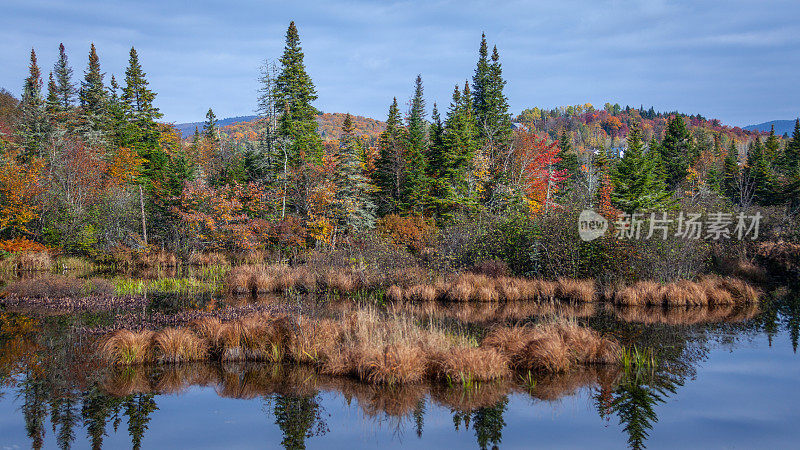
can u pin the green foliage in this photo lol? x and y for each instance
(415, 182)
(294, 93)
(637, 185)
(388, 174)
(675, 151)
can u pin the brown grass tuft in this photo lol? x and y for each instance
(125, 347)
(177, 345)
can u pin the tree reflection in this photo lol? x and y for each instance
(299, 418)
(487, 422)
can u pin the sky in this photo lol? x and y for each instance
(733, 60)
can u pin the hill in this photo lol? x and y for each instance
(781, 126)
(187, 129)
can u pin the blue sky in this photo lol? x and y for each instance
(734, 60)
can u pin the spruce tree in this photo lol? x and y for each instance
(497, 121)
(791, 158)
(63, 74)
(32, 124)
(297, 125)
(353, 190)
(637, 187)
(480, 83)
(53, 102)
(93, 93)
(760, 172)
(569, 159)
(772, 146)
(390, 166)
(136, 96)
(210, 132)
(675, 151)
(414, 179)
(731, 173)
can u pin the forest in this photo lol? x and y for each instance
(88, 171)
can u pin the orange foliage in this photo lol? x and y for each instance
(415, 232)
(19, 186)
(21, 245)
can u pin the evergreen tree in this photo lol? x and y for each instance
(353, 190)
(389, 169)
(569, 159)
(136, 96)
(772, 147)
(637, 186)
(480, 83)
(93, 93)
(32, 124)
(675, 150)
(791, 158)
(63, 74)
(210, 132)
(295, 92)
(53, 102)
(414, 179)
(435, 143)
(730, 172)
(760, 172)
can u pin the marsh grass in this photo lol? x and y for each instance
(58, 286)
(166, 285)
(373, 346)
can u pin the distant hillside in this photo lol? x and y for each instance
(330, 125)
(781, 126)
(187, 129)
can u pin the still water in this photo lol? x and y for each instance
(721, 384)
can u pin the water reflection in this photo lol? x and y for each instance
(47, 369)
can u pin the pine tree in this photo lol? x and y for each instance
(675, 151)
(760, 172)
(353, 190)
(480, 83)
(731, 173)
(32, 125)
(497, 122)
(53, 102)
(414, 179)
(136, 95)
(93, 93)
(791, 159)
(772, 147)
(295, 92)
(63, 74)
(569, 159)
(637, 187)
(210, 132)
(389, 169)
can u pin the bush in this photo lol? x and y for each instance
(413, 232)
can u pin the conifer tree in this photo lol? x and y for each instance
(53, 102)
(435, 143)
(730, 172)
(390, 166)
(353, 190)
(760, 172)
(297, 125)
(480, 83)
(772, 146)
(414, 179)
(791, 158)
(136, 96)
(63, 75)
(569, 159)
(32, 125)
(210, 132)
(637, 186)
(92, 92)
(675, 150)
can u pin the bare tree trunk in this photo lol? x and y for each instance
(549, 181)
(285, 162)
(144, 220)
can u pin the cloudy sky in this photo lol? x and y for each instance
(734, 60)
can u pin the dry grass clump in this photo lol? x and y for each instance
(576, 290)
(686, 316)
(207, 259)
(709, 290)
(177, 345)
(369, 345)
(466, 365)
(58, 286)
(32, 260)
(125, 347)
(552, 347)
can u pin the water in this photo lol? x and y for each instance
(731, 382)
